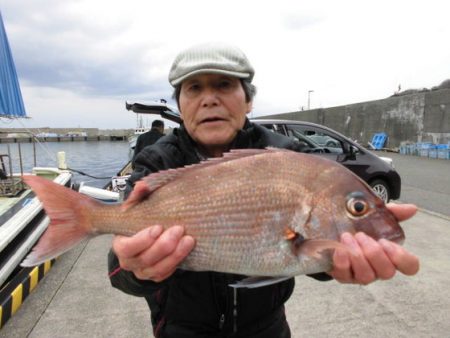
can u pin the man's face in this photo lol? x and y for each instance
(213, 109)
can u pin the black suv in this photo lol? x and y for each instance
(377, 171)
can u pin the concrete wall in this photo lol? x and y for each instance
(417, 117)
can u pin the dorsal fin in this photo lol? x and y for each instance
(156, 180)
(152, 182)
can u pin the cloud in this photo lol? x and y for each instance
(65, 54)
(297, 21)
(82, 59)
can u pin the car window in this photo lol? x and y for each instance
(274, 128)
(271, 127)
(318, 137)
(324, 140)
(297, 135)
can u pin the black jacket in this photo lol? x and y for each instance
(147, 139)
(201, 304)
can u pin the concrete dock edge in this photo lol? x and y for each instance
(17, 290)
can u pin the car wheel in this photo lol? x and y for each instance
(381, 188)
(331, 144)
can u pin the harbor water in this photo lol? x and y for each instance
(100, 159)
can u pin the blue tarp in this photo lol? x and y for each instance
(11, 102)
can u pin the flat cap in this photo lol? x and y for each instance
(216, 58)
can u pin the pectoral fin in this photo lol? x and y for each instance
(315, 247)
(140, 192)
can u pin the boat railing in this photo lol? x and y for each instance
(10, 183)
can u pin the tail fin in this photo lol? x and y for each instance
(68, 222)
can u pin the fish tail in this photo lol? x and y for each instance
(69, 223)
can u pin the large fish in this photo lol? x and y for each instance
(254, 212)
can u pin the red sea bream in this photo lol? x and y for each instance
(254, 212)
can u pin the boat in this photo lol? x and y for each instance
(161, 108)
(22, 218)
(156, 108)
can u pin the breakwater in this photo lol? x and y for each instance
(19, 135)
(410, 118)
(29, 139)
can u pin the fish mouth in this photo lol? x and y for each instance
(397, 237)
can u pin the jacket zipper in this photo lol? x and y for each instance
(235, 312)
(221, 321)
(221, 311)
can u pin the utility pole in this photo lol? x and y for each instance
(309, 98)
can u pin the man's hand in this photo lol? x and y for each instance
(153, 254)
(375, 259)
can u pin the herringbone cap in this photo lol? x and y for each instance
(216, 58)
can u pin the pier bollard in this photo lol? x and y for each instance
(62, 160)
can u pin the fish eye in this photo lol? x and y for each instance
(357, 207)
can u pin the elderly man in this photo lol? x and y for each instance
(213, 89)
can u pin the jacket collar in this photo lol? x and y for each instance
(245, 138)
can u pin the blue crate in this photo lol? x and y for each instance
(443, 151)
(424, 145)
(411, 149)
(433, 152)
(378, 140)
(444, 154)
(423, 152)
(408, 149)
(423, 148)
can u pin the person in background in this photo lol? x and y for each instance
(150, 137)
(214, 92)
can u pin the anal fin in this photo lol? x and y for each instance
(259, 281)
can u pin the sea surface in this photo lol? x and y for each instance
(101, 159)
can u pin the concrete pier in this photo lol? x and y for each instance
(64, 139)
(76, 299)
(21, 135)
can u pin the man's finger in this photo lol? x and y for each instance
(376, 256)
(342, 271)
(163, 247)
(127, 247)
(362, 270)
(165, 267)
(402, 211)
(404, 261)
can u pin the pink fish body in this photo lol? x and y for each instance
(253, 212)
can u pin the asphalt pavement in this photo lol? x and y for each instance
(76, 300)
(425, 181)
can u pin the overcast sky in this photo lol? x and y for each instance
(79, 61)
